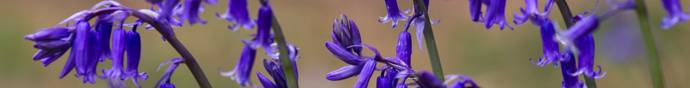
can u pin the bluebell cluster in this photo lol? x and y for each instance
(111, 37)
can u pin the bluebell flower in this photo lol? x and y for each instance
(191, 10)
(567, 68)
(165, 81)
(495, 12)
(366, 72)
(83, 46)
(462, 82)
(267, 83)
(52, 43)
(167, 10)
(243, 68)
(675, 12)
(403, 49)
(585, 46)
(104, 26)
(343, 72)
(263, 36)
(394, 15)
(427, 80)
(133, 50)
(114, 75)
(387, 79)
(531, 12)
(346, 33)
(238, 12)
(550, 47)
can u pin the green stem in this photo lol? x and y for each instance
(654, 60)
(434, 58)
(283, 50)
(567, 17)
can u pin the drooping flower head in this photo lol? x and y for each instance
(394, 15)
(238, 12)
(165, 81)
(495, 12)
(675, 12)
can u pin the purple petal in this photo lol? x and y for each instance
(52, 33)
(343, 72)
(238, 12)
(343, 54)
(394, 14)
(365, 74)
(675, 12)
(427, 80)
(404, 47)
(267, 83)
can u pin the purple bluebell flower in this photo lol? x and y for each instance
(85, 59)
(52, 44)
(343, 54)
(549, 45)
(243, 67)
(343, 72)
(675, 12)
(387, 79)
(345, 33)
(165, 81)
(191, 10)
(238, 12)
(167, 9)
(104, 26)
(567, 68)
(115, 73)
(495, 12)
(585, 46)
(133, 50)
(267, 83)
(276, 71)
(394, 15)
(532, 13)
(403, 49)
(427, 80)
(263, 35)
(274, 68)
(462, 82)
(365, 74)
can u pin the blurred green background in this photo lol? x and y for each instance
(492, 57)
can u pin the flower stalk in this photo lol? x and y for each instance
(567, 17)
(654, 61)
(166, 31)
(283, 50)
(434, 58)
